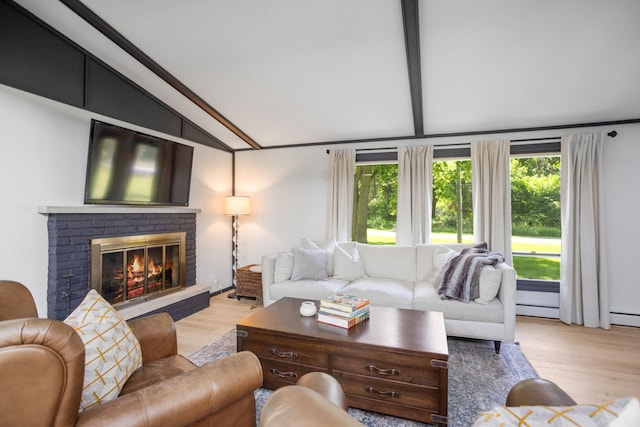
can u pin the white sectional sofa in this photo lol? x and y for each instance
(394, 276)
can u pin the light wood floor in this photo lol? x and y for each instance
(592, 365)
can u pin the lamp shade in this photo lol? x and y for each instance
(237, 205)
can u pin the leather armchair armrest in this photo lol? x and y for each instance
(300, 406)
(183, 399)
(157, 336)
(536, 391)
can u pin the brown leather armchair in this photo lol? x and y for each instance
(42, 371)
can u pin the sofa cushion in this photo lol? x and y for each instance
(384, 292)
(426, 298)
(283, 267)
(389, 262)
(306, 289)
(327, 246)
(309, 264)
(489, 284)
(347, 264)
(112, 352)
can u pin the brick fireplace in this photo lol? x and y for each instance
(71, 232)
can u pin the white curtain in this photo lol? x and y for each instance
(584, 293)
(491, 194)
(415, 178)
(341, 183)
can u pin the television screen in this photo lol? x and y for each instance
(128, 167)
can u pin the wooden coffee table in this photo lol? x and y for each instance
(395, 363)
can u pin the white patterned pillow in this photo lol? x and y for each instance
(112, 351)
(622, 412)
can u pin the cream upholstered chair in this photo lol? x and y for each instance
(42, 364)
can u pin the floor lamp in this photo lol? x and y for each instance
(236, 206)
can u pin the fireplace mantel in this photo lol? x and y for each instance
(109, 209)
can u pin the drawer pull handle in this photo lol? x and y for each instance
(383, 372)
(372, 390)
(278, 373)
(283, 354)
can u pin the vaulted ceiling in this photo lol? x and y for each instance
(272, 73)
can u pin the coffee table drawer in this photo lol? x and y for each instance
(407, 369)
(276, 373)
(393, 392)
(286, 349)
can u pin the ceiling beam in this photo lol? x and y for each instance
(99, 24)
(410, 19)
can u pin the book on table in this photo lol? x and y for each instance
(342, 321)
(344, 311)
(342, 302)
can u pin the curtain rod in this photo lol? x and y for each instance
(611, 134)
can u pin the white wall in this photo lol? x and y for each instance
(43, 162)
(289, 189)
(622, 201)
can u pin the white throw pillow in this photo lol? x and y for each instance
(327, 246)
(283, 267)
(309, 264)
(441, 256)
(347, 264)
(490, 279)
(112, 351)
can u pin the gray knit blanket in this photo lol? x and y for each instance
(459, 278)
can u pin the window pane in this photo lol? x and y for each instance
(535, 213)
(452, 209)
(375, 204)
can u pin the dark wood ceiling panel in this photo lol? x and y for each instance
(114, 96)
(36, 60)
(195, 134)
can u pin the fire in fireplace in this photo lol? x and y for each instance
(133, 268)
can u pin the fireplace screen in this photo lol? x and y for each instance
(129, 268)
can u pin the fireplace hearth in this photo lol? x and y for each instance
(135, 268)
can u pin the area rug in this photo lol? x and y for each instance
(479, 379)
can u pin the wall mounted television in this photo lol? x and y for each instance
(126, 167)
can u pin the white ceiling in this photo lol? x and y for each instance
(302, 71)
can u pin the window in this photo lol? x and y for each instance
(535, 214)
(535, 187)
(375, 203)
(452, 208)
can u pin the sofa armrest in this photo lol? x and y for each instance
(183, 399)
(507, 296)
(157, 336)
(268, 270)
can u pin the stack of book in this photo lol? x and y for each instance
(344, 311)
